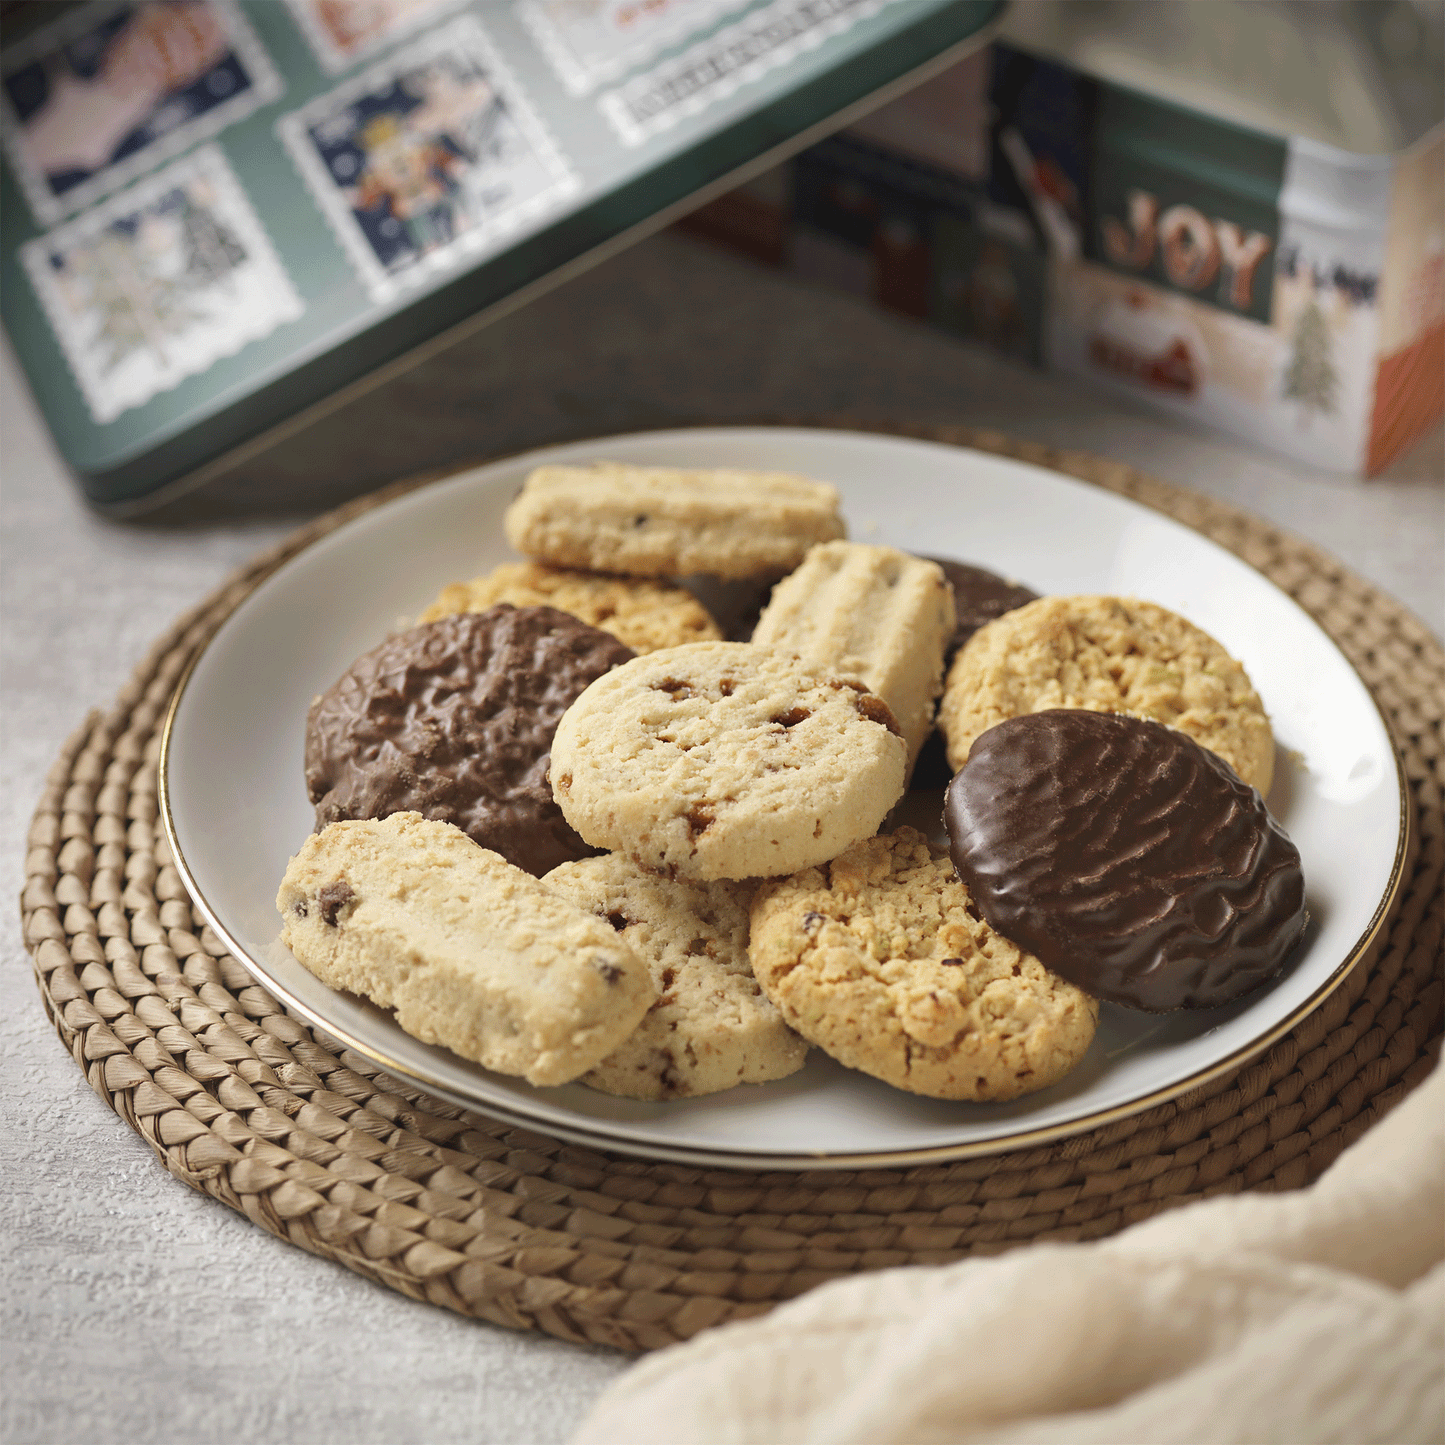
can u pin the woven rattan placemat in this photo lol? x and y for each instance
(313, 1143)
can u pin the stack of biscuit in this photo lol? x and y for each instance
(726, 798)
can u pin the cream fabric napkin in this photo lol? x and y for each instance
(1317, 1315)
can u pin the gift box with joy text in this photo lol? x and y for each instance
(1277, 288)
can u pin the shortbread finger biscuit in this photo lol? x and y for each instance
(726, 760)
(666, 522)
(472, 953)
(873, 613)
(712, 1026)
(644, 614)
(879, 958)
(1108, 654)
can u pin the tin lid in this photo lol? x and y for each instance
(218, 214)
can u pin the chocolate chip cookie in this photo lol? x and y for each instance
(726, 760)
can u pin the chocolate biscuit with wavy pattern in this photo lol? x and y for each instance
(1129, 859)
(454, 720)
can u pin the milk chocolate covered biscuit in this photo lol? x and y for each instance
(454, 720)
(1127, 857)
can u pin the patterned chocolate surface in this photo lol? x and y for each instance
(454, 720)
(1129, 859)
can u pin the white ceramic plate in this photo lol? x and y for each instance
(235, 805)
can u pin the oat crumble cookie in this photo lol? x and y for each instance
(645, 615)
(1108, 654)
(880, 959)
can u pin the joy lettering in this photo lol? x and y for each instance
(1193, 249)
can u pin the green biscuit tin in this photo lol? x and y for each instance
(217, 214)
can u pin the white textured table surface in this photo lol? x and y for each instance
(137, 1311)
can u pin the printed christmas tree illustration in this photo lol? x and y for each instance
(143, 294)
(212, 249)
(1311, 378)
(135, 309)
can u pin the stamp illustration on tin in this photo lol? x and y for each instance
(159, 282)
(589, 42)
(341, 32)
(716, 67)
(109, 91)
(427, 160)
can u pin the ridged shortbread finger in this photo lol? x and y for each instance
(712, 1027)
(667, 522)
(873, 613)
(1108, 654)
(471, 952)
(879, 959)
(725, 760)
(646, 615)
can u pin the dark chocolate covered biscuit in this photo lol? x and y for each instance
(978, 597)
(1128, 858)
(454, 720)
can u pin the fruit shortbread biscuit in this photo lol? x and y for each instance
(712, 1026)
(873, 613)
(472, 953)
(726, 760)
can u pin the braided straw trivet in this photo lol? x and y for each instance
(313, 1143)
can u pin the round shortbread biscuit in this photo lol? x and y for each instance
(726, 760)
(881, 960)
(712, 1026)
(644, 614)
(1107, 654)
